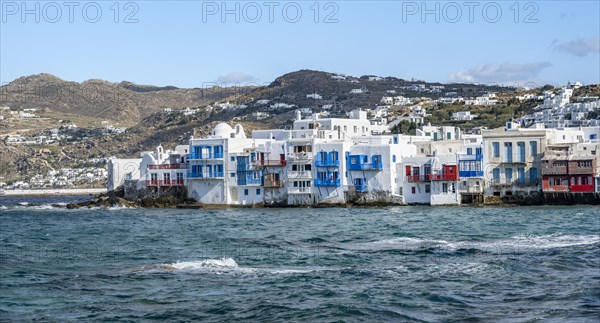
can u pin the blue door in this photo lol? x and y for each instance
(508, 152)
(508, 175)
(533, 175)
(521, 175)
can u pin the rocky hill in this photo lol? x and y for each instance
(102, 99)
(335, 90)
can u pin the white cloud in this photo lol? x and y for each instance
(503, 73)
(580, 46)
(236, 77)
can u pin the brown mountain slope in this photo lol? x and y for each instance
(103, 99)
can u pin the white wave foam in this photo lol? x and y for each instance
(35, 207)
(291, 271)
(522, 243)
(558, 240)
(2, 207)
(223, 263)
(221, 266)
(29, 206)
(398, 243)
(119, 207)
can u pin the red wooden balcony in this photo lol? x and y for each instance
(444, 177)
(432, 177)
(556, 188)
(582, 188)
(169, 183)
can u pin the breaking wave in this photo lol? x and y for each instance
(222, 265)
(516, 244)
(26, 205)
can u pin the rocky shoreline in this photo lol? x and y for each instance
(106, 200)
(114, 199)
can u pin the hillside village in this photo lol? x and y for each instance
(357, 159)
(406, 111)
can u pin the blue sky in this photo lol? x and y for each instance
(190, 44)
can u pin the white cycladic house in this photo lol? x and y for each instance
(163, 169)
(463, 116)
(430, 180)
(120, 170)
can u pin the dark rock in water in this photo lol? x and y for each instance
(71, 206)
(159, 201)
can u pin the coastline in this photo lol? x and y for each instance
(171, 202)
(177, 200)
(54, 192)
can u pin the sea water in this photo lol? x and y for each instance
(302, 264)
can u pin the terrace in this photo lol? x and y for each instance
(361, 162)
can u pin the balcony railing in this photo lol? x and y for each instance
(248, 179)
(324, 182)
(554, 170)
(164, 183)
(470, 173)
(270, 163)
(272, 183)
(205, 175)
(432, 177)
(444, 177)
(365, 166)
(218, 155)
(299, 190)
(556, 188)
(513, 161)
(576, 170)
(582, 188)
(327, 163)
(515, 182)
(300, 174)
(168, 166)
(299, 157)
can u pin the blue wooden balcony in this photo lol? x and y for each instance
(205, 152)
(322, 182)
(366, 166)
(249, 177)
(470, 173)
(327, 159)
(327, 163)
(217, 155)
(361, 162)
